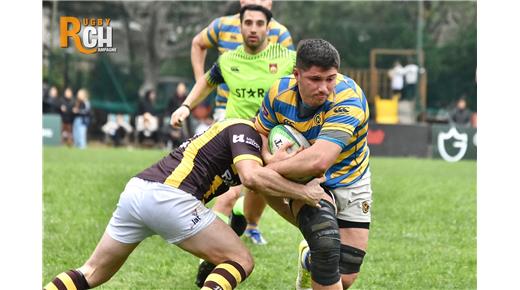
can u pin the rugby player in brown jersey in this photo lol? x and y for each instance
(168, 199)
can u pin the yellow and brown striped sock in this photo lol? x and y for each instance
(225, 276)
(72, 279)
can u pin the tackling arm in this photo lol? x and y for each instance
(266, 181)
(313, 161)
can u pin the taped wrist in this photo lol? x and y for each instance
(320, 228)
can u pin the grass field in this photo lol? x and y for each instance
(423, 231)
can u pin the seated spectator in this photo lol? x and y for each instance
(147, 122)
(117, 128)
(461, 115)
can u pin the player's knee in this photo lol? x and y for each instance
(350, 262)
(320, 228)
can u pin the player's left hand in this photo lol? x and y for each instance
(314, 192)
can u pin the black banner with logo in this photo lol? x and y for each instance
(453, 143)
(399, 140)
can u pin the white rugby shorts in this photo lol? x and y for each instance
(354, 202)
(146, 208)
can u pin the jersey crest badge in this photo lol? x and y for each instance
(273, 68)
(317, 119)
(365, 206)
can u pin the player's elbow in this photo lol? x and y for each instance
(196, 43)
(319, 166)
(249, 180)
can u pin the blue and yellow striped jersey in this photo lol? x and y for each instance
(224, 34)
(345, 111)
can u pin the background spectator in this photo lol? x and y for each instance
(51, 103)
(174, 136)
(81, 112)
(411, 76)
(396, 75)
(147, 122)
(461, 115)
(117, 128)
(202, 114)
(67, 116)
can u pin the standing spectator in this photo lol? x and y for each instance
(174, 136)
(461, 115)
(147, 122)
(176, 101)
(396, 75)
(411, 76)
(51, 103)
(67, 116)
(407, 102)
(81, 112)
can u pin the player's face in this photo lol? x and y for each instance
(254, 30)
(266, 3)
(316, 84)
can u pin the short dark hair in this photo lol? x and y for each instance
(316, 52)
(268, 14)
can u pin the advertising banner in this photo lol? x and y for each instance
(51, 129)
(399, 140)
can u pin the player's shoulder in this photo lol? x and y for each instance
(240, 127)
(274, 24)
(276, 50)
(282, 86)
(232, 54)
(344, 83)
(229, 19)
(346, 88)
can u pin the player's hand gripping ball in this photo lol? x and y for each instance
(282, 134)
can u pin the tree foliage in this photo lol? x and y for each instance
(155, 37)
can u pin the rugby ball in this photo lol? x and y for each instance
(282, 134)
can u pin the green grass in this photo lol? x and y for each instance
(423, 232)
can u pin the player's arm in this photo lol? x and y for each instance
(205, 39)
(199, 51)
(197, 94)
(267, 181)
(203, 87)
(313, 161)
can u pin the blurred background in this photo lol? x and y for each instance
(430, 45)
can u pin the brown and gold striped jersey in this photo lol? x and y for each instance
(204, 165)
